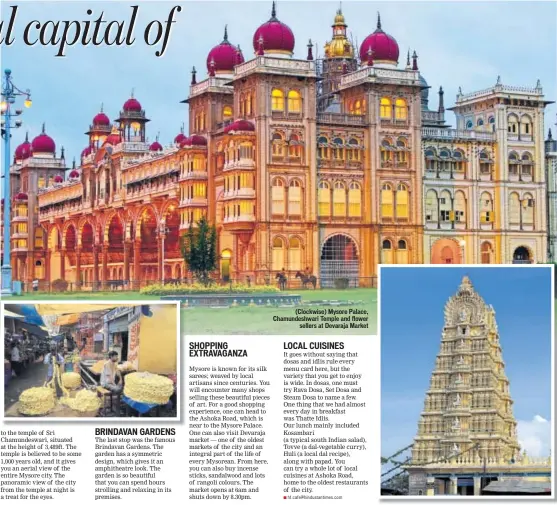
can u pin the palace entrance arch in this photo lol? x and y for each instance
(339, 260)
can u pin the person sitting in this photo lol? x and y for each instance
(111, 378)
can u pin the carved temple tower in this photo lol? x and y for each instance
(467, 430)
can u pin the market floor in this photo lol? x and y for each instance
(34, 375)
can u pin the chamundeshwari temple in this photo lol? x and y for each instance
(328, 166)
(467, 434)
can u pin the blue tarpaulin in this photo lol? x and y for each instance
(142, 408)
(31, 315)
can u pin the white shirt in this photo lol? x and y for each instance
(15, 354)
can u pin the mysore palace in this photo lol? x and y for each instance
(327, 166)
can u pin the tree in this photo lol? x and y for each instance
(199, 249)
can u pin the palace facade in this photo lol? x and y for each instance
(467, 433)
(326, 166)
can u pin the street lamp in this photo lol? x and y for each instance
(163, 230)
(462, 244)
(9, 94)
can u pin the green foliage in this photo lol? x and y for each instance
(199, 288)
(199, 249)
(59, 285)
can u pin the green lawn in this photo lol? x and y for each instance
(239, 320)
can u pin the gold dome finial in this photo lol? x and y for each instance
(339, 46)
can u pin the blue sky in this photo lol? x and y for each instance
(412, 318)
(465, 44)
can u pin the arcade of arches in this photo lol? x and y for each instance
(119, 250)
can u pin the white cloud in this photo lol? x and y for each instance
(535, 436)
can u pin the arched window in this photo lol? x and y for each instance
(338, 150)
(401, 110)
(387, 201)
(278, 253)
(294, 148)
(458, 158)
(227, 112)
(480, 122)
(514, 209)
(278, 144)
(294, 101)
(353, 150)
(526, 168)
(528, 210)
(278, 200)
(486, 208)
(295, 199)
(386, 108)
(431, 207)
(486, 163)
(402, 252)
(401, 153)
(295, 254)
(386, 151)
(324, 199)
(491, 120)
(354, 200)
(41, 181)
(39, 269)
(460, 207)
(386, 252)
(469, 124)
(358, 107)
(444, 160)
(525, 125)
(402, 202)
(277, 100)
(445, 207)
(323, 148)
(512, 123)
(248, 104)
(339, 200)
(514, 162)
(39, 238)
(430, 157)
(487, 252)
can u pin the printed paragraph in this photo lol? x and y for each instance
(36, 465)
(227, 411)
(322, 404)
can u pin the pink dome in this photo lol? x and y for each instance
(384, 47)
(155, 146)
(186, 142)
(197, 140)
(74, 174)
(241, 125)
(23, 151)
(87, 151)
(132, 105)
(225, 56)
(276, 36)
(113, 139)
(179, 138)
(21, 196)
(43, 144)
(101, 119)
(58, 179)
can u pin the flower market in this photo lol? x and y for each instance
(84, 360)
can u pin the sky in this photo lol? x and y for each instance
(465, 44)
(412, 302)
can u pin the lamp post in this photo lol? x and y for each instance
(462, 245)
(163, 230)
(9, 93)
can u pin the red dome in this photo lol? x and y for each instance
(113, 139)
(225, 56)
(21, 196)
(23, 151)
(241, 125)
(58, 179)
(43, 144)
(179, 138)
(155, 146)
(101, 119)
(276, 36)
(384, 47)
(74, 174)
(186, 142)
(132, 105)
(197, 140)
(87, 151)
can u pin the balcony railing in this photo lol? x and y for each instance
(195, 175)
(450, 133)
(340, 119)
